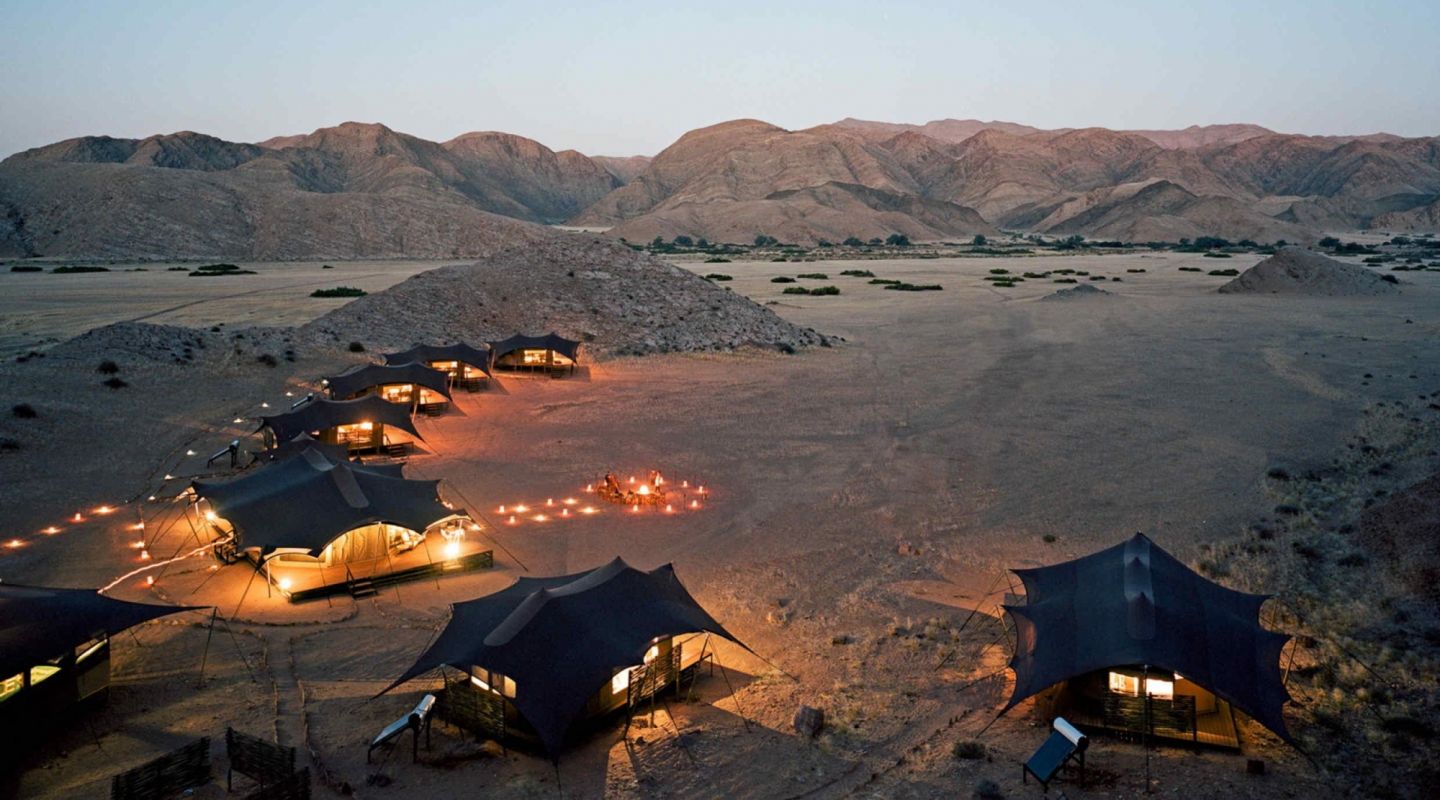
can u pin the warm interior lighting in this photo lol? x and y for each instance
(367, 426)
(285, 584)
(652, 654)
(1160, 689)
(210, 515)
(1124, 684)
(452, 550)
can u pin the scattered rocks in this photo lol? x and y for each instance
(809, 721)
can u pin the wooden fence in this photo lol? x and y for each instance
(258, 759)
(167, 776)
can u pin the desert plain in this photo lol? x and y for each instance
(867, 500)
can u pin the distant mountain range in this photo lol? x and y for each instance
(364, 190)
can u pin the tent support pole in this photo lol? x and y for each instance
(1145, 686)
(431, 559)
(236, 612)
(205, 655)
(724, 673)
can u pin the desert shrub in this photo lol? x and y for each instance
(326, 266)
(987, 789)
(74, 270)
(1353, 560)
(915, 287)
(766, 241)
(108, 367)
(782, 279)
(339, 291)
(356, 347)
(1048, 538)
(814, 276)
(214, 270)
(683, 241)
(897, 240)
(883, 281)
(979, 240)
(968, 750)
(818, 290)
(115, 383)
(1097, 277)
(1065, 280)
(26, 268)
(857, 273)
(717, 260)
(1278, 474)
(1189, 269)
(24, 411)
(718, 276)
(999, 272)
(267, 359)
(1389, 278)
(177, 269)
(853, 241)
(996, 284)
(1217, 255)
(779, 258)
(1036, 275)
(1134, 270)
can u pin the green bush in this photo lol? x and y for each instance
(27, 269)
(999, 272)
(357, 347)
(75, 270)
(1190, 269)
(852, 241)
(858, 273)
(1225, 273)
(916, 287)
(968, 750)
(883, 281)
(339, 291)
(898, 240)
(1065, 280)
(818, 290)
(814, 276)
(782, 279)
(1217, 255)
(718, 276)
(717, 260)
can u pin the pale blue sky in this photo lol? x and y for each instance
(623, 78)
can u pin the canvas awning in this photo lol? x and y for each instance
(1135, 604)
(550, 341)
(369, 376)
(38, 623)
(302, 443)
(473, 357)
(307, 501)
(320, 414)
(561, 639)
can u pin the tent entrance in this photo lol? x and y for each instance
(371, 557)
(1130, 701)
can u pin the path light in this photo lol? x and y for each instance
(635, 508)
(684, 484)
(189, 452)
(512, 519)
(169, 477)
(521, 509)
(289, 394)
(570, 501)
(144, 555)
(669, 509)
(51, 531)
(239, 420)
(550, 501)
(210, 516)
(632, 478)
(701, 490)
(77, 517)
(502, 509)
(694, 503)
(139, 526)
(589, 487)
(564, 512)
(14, 543)
(138, 544)
(541, 518)
(587, 510)
(104, 510)
(152, 498)
(149, 580)
(264, 405)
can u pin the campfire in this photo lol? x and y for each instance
(651, 490)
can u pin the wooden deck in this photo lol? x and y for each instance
(1216, 729)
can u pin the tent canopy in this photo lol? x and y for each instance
(473, 357)
(320, 414)
(1135, 604)
(550, 341)
(39, 623)
(561, 639)
(369, 376)
(307, 501)
(302, 443)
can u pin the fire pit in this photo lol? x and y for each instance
(652, 490)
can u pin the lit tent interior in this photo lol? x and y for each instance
(467, 366)
(314, 523)
(365, 423)
(411, 384)
(560, 649)
(1097, 635)
(55, 651)
(551, 351)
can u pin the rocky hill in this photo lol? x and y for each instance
(619, 301)
(1295, 271)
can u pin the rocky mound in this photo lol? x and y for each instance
(1402, 529)
(619, 301)
(1302, 272)
(1080, 292)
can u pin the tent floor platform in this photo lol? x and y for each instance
(1215, 729)
(366, 578)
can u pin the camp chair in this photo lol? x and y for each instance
(414, 721)
(1066, 743)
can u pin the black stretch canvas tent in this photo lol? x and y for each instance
(1135, 604)
(475, 358)
(302, 443)
(323, 416)
(305, 502)
(561, 639)
(54, 650)
(511, 352)
(362, 379)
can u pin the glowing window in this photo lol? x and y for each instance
(11, 685)
(88, 649)
(42, 671)
(1124, 684)
(398, 392)
(621, 681)
(535, 356)
(1160, 689)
